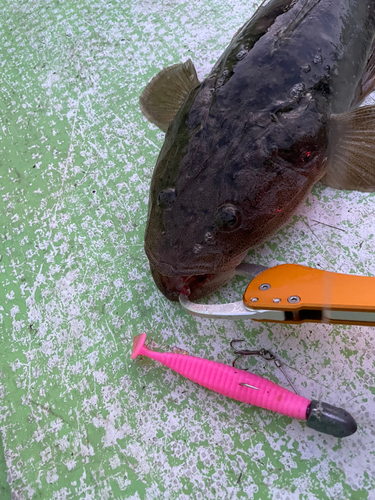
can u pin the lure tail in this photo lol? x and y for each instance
(252, 389)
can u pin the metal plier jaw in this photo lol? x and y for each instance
(293, 294)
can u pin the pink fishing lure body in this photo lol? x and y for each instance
(252, 389)
(229, 381)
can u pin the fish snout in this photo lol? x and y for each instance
(196, 286)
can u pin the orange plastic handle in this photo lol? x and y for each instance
(307, 294)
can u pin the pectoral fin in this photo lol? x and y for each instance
(166, 92)
(351, 162)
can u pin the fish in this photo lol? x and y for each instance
(279, 111)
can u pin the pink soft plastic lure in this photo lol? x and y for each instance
(252, 389)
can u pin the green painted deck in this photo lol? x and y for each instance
(78, 418)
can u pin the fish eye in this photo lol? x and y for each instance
(166, 197)
(227, 218)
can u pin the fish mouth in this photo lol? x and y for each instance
(196, 286)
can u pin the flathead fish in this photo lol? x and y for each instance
(278, 112)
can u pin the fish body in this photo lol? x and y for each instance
(278, 112)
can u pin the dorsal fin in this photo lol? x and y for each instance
(166, 92)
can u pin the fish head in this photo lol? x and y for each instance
(225, 180)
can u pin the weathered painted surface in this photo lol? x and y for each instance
(78, 418)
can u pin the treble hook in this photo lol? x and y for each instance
(265, 354)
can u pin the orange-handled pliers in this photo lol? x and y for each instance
(291, 293)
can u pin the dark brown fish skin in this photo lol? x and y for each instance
(249, 143)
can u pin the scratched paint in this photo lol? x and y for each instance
(78, 418)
